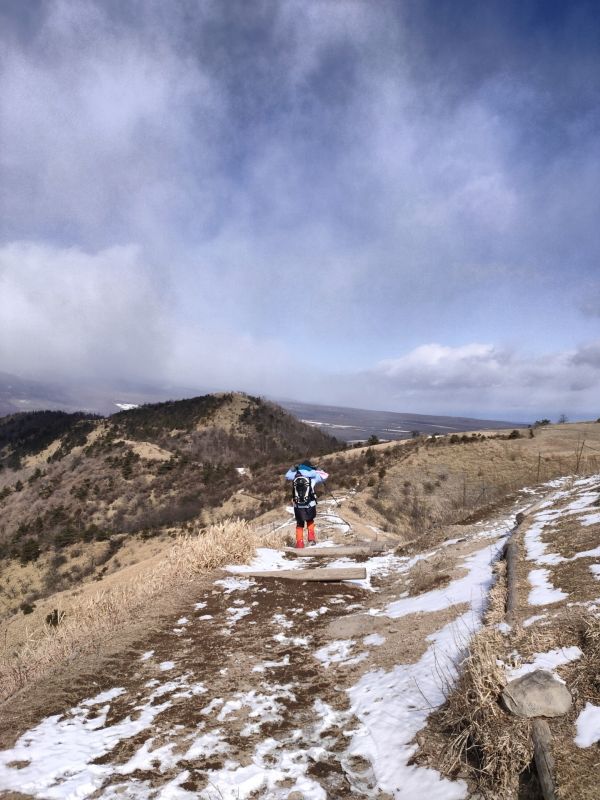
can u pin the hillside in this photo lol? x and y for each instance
(175, 677)
(79, 478)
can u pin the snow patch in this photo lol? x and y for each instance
(236, 614)
(338, 653)
(375, 639)
(58, 752)
(588, 726)
(543, 591)
(472, 588)
(548, 661)
(393, 706)
(266, 559)
(235, 584)
(530, 620)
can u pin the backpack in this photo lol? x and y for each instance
(302, 491)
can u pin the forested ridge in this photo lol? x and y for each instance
(80, 477)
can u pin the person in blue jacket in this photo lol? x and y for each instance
(304, 478)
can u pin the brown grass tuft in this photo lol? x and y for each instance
(495, 610)
(592, 635)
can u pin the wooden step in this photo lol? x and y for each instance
(320, 574)
(335, 552)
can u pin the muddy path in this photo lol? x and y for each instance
(271, 689)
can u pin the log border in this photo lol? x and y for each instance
(541, 734)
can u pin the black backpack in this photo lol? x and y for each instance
(302, 491)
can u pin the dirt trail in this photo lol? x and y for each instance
(273, 689)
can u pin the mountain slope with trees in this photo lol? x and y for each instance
(66, 478)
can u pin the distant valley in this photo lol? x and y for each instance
(358, 424)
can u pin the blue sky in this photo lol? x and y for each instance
(384, 204)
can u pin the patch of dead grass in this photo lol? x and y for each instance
(495, 610)
(94, 617)
(471, 736)
(493, 745)
(428, 574)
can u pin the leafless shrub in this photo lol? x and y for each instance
(428, 574)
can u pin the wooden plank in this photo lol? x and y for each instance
(512, 557)
(511, 554)
(334, 552)
(320, 574)
(542, 752)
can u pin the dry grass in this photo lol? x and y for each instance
(99, 615)
(429, 574)
(494, 612)
(494, 745)
(426, 484)
(590, 664)
(592, 637)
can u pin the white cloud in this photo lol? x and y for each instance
(66, 313)
(484, 378)
(96, 124)
(436, 366)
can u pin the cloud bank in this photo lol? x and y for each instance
(298, 198)
(476, 376)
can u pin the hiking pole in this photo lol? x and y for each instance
(247, 494)
(333, 497)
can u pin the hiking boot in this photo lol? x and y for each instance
(312, 542)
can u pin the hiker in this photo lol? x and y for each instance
(304, 478)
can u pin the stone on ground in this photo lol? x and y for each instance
(537, 694)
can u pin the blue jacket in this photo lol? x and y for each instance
(316, 475)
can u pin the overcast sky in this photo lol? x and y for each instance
(386, 203)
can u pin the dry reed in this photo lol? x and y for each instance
(494, 745)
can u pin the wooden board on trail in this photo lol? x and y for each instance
(335, 552)
(320, 574)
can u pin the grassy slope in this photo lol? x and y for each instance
(416, 490)
(413, 488)
(411, 491)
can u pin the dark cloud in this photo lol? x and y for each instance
(68, 313)
(588, 355)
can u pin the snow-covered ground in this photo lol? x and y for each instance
(260, 696)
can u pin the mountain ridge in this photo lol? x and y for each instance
(66, 478)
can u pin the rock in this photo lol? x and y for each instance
(537, 694)
(295, 796)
